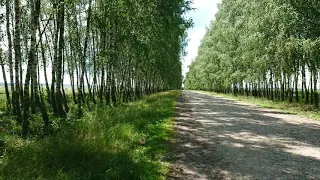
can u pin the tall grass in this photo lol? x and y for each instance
(126, 142)
(2, 99)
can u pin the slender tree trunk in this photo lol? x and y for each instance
(10, 55)
(315, 89)
(311, 88)
(304, 83)
(59, 97)
(85, 49)
(290, 90)
(307, 95)
(5, 82)
(44, 64)
(283, 88)
(113, 90)
(54, 59)
(296, 86)
(64, 97)
(71, 74)
(72, 86)
(95, 69)
(17, 50)
(107, 85)
(102, 89)
(271, 86)
(83, 60)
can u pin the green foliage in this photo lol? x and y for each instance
(2, 100)
(265, 47)
(125, 142)
(109, 52)
(284, 106)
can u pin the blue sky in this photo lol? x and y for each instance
(202, 16)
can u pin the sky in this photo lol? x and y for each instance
(205, 12)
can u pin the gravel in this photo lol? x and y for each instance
(219, 138)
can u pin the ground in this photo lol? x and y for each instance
(219, 138)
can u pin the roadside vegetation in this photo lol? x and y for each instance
(76, 74)
(293, 108)
(109, 52)
(125, 142)
(265, 49)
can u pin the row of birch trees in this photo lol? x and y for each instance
(263, 48)
(111, 51)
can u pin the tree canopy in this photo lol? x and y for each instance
(264, 48)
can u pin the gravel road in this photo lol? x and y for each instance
(225, 139)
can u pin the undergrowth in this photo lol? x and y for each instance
(125, 142)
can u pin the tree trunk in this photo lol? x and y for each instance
(17, 50)
(311, 88)
(271, 86)
(5, 83)
(60, 26)
(54, 59)
(282, 88)
(315, 93)
(44, 64)
(10, 55)
(304, 82)
(296, 87)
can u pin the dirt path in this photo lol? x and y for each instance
(225, 139)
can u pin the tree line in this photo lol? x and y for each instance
(263, 48)
(112, 51)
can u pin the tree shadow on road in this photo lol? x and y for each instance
(220, 139)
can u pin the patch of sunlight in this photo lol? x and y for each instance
(278, 116)
(303, 150)
(286, 144)
(238, 145)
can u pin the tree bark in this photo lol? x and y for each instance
(10, 55)
(17, 50)
(60, 26)
(315, 90)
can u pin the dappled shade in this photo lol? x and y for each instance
(223, 138)
(105, 144)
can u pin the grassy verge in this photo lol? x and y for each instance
(2, 98)
(126, 142)
(293, 108)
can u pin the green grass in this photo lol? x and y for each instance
(3, 99)
(125, 142)
(292, 108)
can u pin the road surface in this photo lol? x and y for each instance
(225, 139)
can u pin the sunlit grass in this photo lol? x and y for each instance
(125, 142)
(2, 99)
(284, 106)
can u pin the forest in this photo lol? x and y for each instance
(67, 64)
(261, 48)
